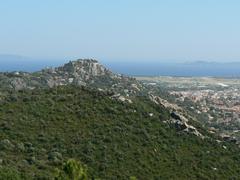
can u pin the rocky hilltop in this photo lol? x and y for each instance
(79, 72)
(90, 73)
(82, 72)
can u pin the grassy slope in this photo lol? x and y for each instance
(115, 140)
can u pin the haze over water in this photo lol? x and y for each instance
(132, 68)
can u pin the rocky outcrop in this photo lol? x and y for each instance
(84, 69)
(165, 103)
(79, 72)
(228, 138)
(178, 119)
(181, 124)
(82, 72)
(18, 83)
(121, 98)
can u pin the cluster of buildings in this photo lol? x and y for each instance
(222, 106)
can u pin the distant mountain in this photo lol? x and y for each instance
(191, 69)
(200, 62)
(210, 63)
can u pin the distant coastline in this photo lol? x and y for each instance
(10, 63)
(226, 70)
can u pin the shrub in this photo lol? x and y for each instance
(72, 170)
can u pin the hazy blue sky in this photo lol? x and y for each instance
(124, 29)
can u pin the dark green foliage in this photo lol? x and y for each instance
(9, 174)
(115, 140)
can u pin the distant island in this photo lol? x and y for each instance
(133, 68)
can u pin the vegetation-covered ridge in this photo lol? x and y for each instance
(43, 128)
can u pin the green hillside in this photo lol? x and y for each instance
(42, 129)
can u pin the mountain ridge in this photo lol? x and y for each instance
(90, 73)
(82, 72)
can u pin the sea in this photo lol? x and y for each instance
(178, 69)
(141, 68)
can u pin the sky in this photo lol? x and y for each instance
(131, 30)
